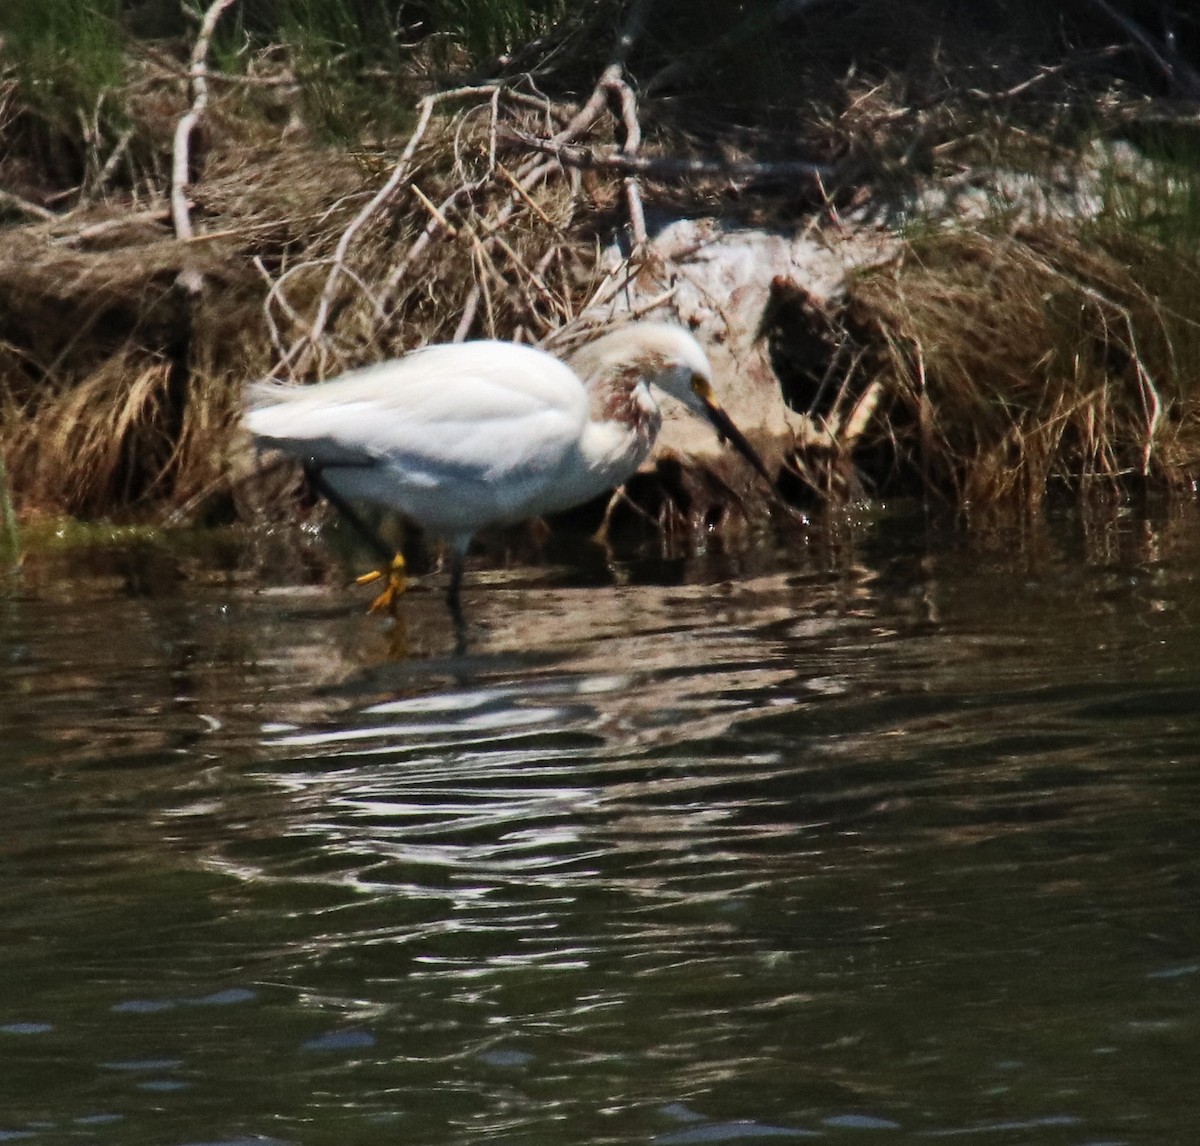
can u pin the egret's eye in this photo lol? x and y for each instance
(702, 388)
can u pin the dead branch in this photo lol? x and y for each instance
(181, 158)
(612, 81)
(667, 168)
(860, 415)
(535, 280)
(630, 31)
(629, 149)
(105, 227)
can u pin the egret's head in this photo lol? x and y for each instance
(671, 359)
(668, 357)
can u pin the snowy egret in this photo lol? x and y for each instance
(461, 436)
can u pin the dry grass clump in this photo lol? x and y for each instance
(1014, 360)
(116, 388)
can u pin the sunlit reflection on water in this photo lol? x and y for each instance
(898, 844)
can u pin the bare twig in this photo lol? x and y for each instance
(113, 161)
(1185, 78)
(486, 270)
(15, 202)
(492, 106)
(1045, 73)
(506, 212)
(612, 79)
(660, 299)
(524, 195)
(106, 227)
(535, 280)
(468, 315)
(422, 241)
(620, 497)
(435, 211)
(287, 79)
(272, 287)
(493, 122)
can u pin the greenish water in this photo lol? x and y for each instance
(890, 840)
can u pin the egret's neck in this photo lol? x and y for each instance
(623, 403)
(623, 424)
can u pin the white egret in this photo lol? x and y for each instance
(461, 436)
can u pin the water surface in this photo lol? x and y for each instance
(891, 838)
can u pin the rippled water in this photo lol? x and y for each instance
(892, 839)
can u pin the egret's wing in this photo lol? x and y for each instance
(473, 412)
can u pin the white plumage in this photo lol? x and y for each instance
(461, 436)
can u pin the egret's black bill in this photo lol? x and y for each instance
(728, 431)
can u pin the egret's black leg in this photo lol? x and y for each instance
(317, 480)
(393, 562)
(454, 592)
(454, 601)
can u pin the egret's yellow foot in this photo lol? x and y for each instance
(397, 582)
